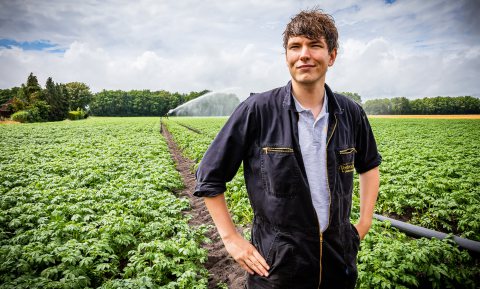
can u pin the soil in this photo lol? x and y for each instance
(8, 122)
(222, 267)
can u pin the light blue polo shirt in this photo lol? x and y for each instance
(312, 134)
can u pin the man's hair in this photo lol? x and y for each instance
(312, 24)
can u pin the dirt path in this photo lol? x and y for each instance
(221, 266)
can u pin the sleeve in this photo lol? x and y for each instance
(225, 154)
(367, 156)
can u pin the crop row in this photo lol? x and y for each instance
(89, 204)
(388, 258)
(430, 173)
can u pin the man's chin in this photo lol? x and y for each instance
(306, 81)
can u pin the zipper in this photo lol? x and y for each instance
(330, 202)
(347, 151)
(321, 249)
(267, 150)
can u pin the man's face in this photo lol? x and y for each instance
(308, 60)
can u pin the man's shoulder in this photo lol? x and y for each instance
(260, 105)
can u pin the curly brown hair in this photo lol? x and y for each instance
(312, 24)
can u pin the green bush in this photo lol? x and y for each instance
(20, 116)
(76, 114)
(34, 113)
(39, 110)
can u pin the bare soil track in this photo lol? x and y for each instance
(222, 267)
(8, 122)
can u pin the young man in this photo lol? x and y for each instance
(299, 145)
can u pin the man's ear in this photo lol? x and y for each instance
(333, 56)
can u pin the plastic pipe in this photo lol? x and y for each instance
(418, 231)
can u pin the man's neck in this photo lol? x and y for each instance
(310, 97)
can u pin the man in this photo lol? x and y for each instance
(299, 145)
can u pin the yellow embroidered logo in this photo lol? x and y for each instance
(346, 168)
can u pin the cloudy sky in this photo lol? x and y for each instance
(387, 48)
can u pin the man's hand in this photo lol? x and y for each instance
(240, 249)
(362, 229)
(246, 255)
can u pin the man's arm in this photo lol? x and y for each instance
(369, 184)
(240, 249)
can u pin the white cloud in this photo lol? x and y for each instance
(378, 68)
(408, 48)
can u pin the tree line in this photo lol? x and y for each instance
(426, 105)
(138, 102)
(57, 101)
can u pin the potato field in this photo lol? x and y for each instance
(90, 204)
(94, 204)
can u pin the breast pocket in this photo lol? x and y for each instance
(346, 160)
(280, 171)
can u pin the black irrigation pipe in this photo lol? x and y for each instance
(190, 128)
(181, 124)
(193, 129)
(418, 231)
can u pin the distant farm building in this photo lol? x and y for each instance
(6, 109)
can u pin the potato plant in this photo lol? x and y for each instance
(91, 204)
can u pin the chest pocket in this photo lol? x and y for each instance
(280, 171)
(346, 159)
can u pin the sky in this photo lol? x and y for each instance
(391, 48)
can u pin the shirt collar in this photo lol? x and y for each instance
(300, 108)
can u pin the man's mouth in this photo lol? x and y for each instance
(305, 66)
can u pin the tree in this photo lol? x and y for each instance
(7, 94)
(79, 95)
(417, 106)
(56, 96)
(193, 94)
(399, 105)
(32, 89)
(353, 95)
(377, 106)
(20, 100)
(27, 94)
(471, 104)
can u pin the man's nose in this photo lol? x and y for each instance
(305, 53)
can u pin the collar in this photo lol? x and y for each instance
(300, 108)
(333, 105)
